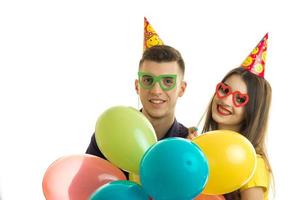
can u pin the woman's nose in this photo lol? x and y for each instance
(227, 100)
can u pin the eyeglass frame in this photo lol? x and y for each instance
(230, 92)
(157, 79)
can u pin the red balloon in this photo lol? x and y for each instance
(209, 197)
(76, 177)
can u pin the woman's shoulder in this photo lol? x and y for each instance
(260, 177)
(261, 163)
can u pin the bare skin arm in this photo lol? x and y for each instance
(192, 133)
(255, 193)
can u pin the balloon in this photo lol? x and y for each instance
(76, 177)
(209, 197)
(231, 157)
(120, 190)
(174, 168)
(134, 178)
(124, 134)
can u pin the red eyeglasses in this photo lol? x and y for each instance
(238, 98)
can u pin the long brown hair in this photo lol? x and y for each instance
(254, 126)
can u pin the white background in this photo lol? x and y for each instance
(62, 63)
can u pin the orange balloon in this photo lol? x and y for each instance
(76, 177)
(209, 197)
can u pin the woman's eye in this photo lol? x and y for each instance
(241, 99)
(224, 91)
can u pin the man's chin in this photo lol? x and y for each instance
(157, 115)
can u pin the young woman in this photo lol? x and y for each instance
(241, 103)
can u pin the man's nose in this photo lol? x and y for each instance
(156, 89)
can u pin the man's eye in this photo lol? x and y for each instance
(147, 80)
(169, 81)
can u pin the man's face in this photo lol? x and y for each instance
(158, 102)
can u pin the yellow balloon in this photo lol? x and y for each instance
(134, 178)
(123, 134)
(231, 157)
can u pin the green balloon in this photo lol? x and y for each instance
(123, 134)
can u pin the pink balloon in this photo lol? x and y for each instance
(76, 177)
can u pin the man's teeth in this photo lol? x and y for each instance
(156, 101)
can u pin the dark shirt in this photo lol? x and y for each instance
(176, 130)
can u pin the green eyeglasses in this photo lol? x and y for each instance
(166, 81)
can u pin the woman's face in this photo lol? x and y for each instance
(228, 110)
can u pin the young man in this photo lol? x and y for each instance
(159, 84)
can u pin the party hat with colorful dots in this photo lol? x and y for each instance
(255, 62)
(151, 38)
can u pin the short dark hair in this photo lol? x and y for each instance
(163, 53)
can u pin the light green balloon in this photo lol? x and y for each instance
(123, 134)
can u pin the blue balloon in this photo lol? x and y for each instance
(121, 190)
(174, 169)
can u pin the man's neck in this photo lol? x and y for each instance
(161, 125)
